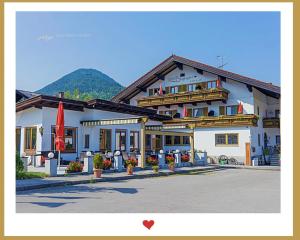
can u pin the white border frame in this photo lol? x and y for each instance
(280, 224)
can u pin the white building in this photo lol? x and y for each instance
(212, 110)
(141, 118)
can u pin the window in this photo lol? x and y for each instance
(168, 140)
(134, 140)
(121, 140)
(174, 89)
(226, 139)
(186, 140)
(168, 112)
(198, 112)
(153, 91)
(258, 139)
(191, 87)
(30, 140)
(148, 141)
(86, 141)
(277, 113)
(105, 140)
(277, 139)
(182, 74)
(177, 140)
(231, 110)
(220, 139)
(258, 110)
(70, 139)
(211, 84)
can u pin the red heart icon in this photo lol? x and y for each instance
(148, 224)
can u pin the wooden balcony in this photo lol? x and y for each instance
(271, 122)
(218, 121)
(216, 94)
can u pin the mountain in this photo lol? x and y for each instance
(84, 84)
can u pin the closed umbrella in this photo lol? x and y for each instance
(184, 113)
(60, 130)
(240, 108)
(160, 90)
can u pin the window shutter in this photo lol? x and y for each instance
(189, 112)
(222, 110)
(205, 111)
(167, 90)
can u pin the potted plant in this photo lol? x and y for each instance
(171, 162)
(130, 164)
(185, 158)
(155, 168)
(74, 167)
(98, 165)
(152, 160)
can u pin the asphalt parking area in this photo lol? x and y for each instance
(222, 191)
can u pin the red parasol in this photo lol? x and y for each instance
(240, 108)
(60, 130)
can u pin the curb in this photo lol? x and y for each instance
(110, 179)
(246, 167)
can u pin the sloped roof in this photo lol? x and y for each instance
(173, 62)
(25, 94)
(40, 101)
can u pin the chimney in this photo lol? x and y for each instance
(61, 94)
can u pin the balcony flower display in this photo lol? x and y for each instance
(185, 158)
(152, 161)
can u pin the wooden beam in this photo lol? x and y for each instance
(179, 65)
(143, 89)
(160, 76)
(222, 78)
(249, 87)
(199, 71)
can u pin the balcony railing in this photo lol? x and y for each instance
(218, 121)
(215, 94)
(271, 122)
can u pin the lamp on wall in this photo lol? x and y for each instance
(41, 130)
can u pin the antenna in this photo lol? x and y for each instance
(221, 58)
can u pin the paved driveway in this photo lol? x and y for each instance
(223, 191)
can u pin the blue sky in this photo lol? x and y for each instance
(127, 45)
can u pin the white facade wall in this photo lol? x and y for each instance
(264, 106)
(238, 91)
(46, 118)
(205, 141)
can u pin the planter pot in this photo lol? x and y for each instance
(172, 168)
(155, 171)
(130, 171)
(97, 173)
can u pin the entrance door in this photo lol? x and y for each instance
(248, 155)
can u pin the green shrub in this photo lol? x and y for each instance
(29, 175)
(98, 161)
(19, 164)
